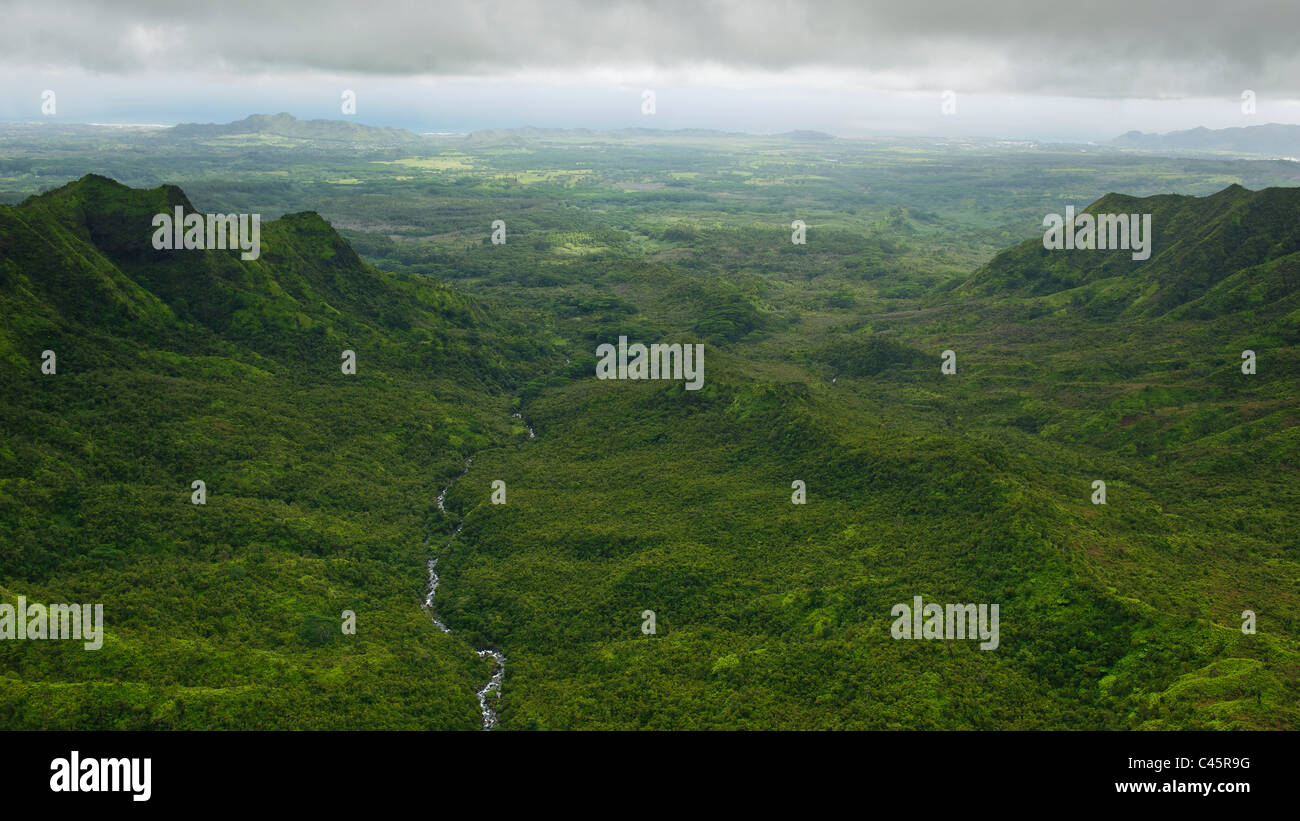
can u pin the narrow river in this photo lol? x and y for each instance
(498, 658)
(499, 666)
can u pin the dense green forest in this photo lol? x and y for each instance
(822, 366)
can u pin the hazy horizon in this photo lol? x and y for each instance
(848, 69)
(465, 109)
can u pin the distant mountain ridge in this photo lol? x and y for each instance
(1273, 139)
(286, 125)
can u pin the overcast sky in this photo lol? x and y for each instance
(1018, 68)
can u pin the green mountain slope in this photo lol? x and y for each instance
(1230, 250)
(177, 366)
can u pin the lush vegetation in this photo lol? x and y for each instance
(822, 365)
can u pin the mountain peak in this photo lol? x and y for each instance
(305, 273)
(96, 195)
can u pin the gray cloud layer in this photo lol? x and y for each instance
(1094, 48)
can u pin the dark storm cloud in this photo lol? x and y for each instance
(1099, 47)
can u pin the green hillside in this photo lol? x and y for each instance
(1230, 251)
(176, 366)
